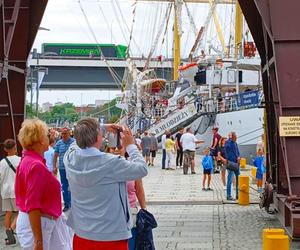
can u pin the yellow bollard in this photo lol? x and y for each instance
(243, 163)
(268, 232)
(253, 174)
(277, 242)
(243, 190)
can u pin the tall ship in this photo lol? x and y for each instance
(213, 87)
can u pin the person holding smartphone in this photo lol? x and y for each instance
(100, 214)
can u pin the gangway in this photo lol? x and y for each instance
(177, 116)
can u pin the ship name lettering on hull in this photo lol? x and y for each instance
(172, 122)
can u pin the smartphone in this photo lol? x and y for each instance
(114, 139)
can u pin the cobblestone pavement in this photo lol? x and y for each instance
(189, 218)
(206, 227)
(173, 187)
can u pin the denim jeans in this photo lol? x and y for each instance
(229, 182)
(65, 188)
(131, 241)
(164, 156)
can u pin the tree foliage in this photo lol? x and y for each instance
(109, 111)
(58, 114)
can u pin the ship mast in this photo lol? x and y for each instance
(177, 28)
(238, 30)
(176, 51)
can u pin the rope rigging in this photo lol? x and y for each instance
(166, 17)
(200, 35)
(192, 22)
(113, 73)
(126, 26)
(132, 26)
(165, 33)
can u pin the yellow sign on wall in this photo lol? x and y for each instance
(289, 126)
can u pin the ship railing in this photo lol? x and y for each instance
(233, 103)
(208, 105)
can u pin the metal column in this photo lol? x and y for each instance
(274, 25)
(20, 20)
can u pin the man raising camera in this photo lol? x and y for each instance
(100, 215)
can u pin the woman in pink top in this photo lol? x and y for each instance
(135, 190)
(40, 225)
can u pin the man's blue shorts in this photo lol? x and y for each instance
(259, 176)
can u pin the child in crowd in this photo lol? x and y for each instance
(8, 167)
(170, 150)
(207, 164)
(258, 162)
(49, 154)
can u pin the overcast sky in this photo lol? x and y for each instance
(110, 21)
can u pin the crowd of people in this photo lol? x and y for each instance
(222, 157)
(101, 191)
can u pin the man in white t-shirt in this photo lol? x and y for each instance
(8, 167)
(189, 141)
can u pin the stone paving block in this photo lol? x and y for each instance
(199, 245)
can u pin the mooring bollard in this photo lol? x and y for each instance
(277, 242)
(268, 232)
(253, 174)
(243, 163)
(243, 190)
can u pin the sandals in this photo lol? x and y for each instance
(10, 240)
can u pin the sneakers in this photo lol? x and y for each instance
(66, 208)
(10, 240)
(209, 189)
(230, 198)
(193, 172)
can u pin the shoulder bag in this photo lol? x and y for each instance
(232, 166)
(10, 165)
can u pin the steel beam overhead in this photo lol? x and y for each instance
(191, 1)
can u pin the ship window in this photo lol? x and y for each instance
(259, 118)
(240, 121)
(230, 122)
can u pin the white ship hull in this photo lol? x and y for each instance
(248, 124)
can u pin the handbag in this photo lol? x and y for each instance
(145, 222)
(232, 166)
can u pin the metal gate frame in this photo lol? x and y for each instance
(20, 20)
(274, 25)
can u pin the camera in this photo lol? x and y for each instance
(114, 139)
